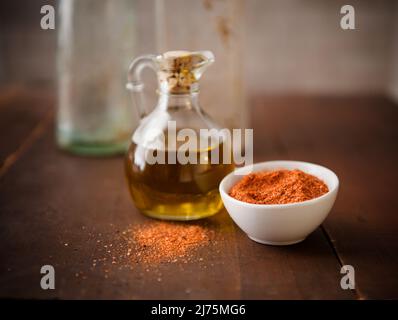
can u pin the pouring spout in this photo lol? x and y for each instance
(180, 71)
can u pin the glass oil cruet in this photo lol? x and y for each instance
(173, 190)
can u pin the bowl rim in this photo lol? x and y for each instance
(283, 205)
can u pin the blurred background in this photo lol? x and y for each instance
(289, 46)
(262, 47)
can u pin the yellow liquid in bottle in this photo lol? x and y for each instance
(177, 191)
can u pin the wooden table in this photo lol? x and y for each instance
(63, 210)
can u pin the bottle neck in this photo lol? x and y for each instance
(178, 101)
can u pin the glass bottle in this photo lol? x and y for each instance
(172, 189)
(95, 44)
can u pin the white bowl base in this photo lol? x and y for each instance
(275, 243)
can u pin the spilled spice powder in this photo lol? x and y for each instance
(169, 241)
(147, 246)
(278, 187)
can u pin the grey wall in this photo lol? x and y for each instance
(298, 46)
(27, 53)
(289, 46)
(393, 83)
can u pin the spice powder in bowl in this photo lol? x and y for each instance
(278, 187)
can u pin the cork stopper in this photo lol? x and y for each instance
(180, 71)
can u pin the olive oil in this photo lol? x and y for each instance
(172, 189)
(175, 191)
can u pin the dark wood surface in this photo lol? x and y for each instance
(21, 111)
(63, 210)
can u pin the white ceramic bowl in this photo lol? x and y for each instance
(280, 224)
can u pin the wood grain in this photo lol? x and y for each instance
(22, 111)
(357, 138)
(56, 207)
(70, 212)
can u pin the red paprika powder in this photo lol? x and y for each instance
(278, 187)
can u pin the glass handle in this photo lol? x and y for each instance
(135, 84)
